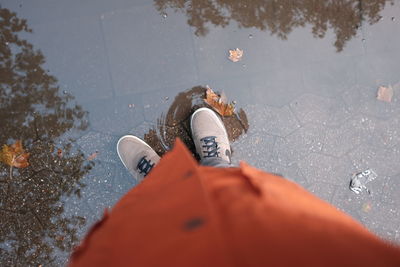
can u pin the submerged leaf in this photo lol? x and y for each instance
(218, 104)
(14, 155)
(93, 156)
(59, 153)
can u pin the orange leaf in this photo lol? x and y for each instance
(14, 155)
(215, 101)
(385, 93)
(59, 153)
(235, 55)
(93, 156)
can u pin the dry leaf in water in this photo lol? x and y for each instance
(59, 153)
(235, 55)
(14, 155)
(220, 106)
(366, 207)
(385, 93)
(93, 156)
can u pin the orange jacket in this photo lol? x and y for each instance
(184, 214)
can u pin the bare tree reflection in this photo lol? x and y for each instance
(33, 110)
(176, 123)
(280, 17)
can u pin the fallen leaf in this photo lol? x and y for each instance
(215, 101)
(14, 155)
(385, 93)
(59, 153)
(93, 156)
(235, 55)
(60, 238)
(366, 207)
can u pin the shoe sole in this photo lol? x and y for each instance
(213, 114)
(132, 137)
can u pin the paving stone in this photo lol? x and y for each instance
(115, 115)
(368, 209)
(101, 190)
(330, 76)
(324, 191)
(384, 161)
(235, 88)
(376, 67)
(386, 133)
(297, 145)
(362, 99)
(81, 66)
(248, 149)
(315, 109)
(357, 205)
(319, 168)
(277, 88)
(383, 220)
(102, 144)
(212, 53)
(375, 33)
(391, 189)
(271, 120)
(344, 138)
(157, 103)
(290, 55)
(291, 172)
(140, 63)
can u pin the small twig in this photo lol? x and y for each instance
(13, 211)
(38, 219)
(11, 170)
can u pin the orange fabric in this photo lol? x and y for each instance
(184, 214)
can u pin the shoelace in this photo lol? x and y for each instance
(211, 146)
(144, 166)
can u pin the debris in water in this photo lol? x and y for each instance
(131, 105)
(385, 93)
(219, 103)
(14, 155)
(359, 180)
(59, 153)
(235, 55)
(366, 207)
(93, 155)
(164, 15)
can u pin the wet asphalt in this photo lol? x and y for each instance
(75, 76)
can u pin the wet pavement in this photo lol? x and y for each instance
(75, 76)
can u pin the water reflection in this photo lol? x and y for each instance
(176, 122)
(280, 17)
(33, 110)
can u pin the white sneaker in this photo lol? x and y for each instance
(209, 135)
(136, 155)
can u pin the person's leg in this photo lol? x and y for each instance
(137, 156)
(210, 138)
(215, 162)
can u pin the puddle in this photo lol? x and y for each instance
(176, 122)
(280, 18)
(33, 110)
